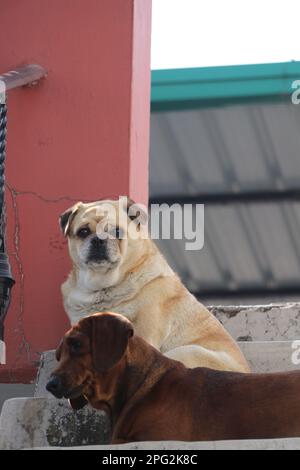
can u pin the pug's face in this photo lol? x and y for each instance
(99, 233)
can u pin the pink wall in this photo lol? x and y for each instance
(82, 134)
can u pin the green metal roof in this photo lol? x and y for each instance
(197, 87)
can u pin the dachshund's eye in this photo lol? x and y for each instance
(83, 232)
(74, 344)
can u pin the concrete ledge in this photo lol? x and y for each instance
(278, 322)
(261, 444)
(40, 422)
(269, 356)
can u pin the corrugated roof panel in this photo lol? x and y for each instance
(164, 171)
(241, 248)
(227, 231)
(237, 132)
(274, 230)
(187, 148)
(282, 129)
(233, 149)
(199, 161)
(194, 268)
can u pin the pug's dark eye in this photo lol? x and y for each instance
(83, 232)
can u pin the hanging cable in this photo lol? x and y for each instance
(6, 279)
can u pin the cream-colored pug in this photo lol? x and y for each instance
(116, 267)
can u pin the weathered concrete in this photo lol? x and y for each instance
(262, 444)
(261, 323)
(40, 422)
(48, 424)
(269, 356)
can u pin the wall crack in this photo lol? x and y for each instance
(24, 344)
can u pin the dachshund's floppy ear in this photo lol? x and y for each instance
(58, 351)
(67, 217)
(78, 403)
(109, 337)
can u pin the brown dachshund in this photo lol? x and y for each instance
(152, 398)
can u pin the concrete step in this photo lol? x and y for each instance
(260, 444)
(43, 423)
(277, 322)
(271, 356)
(40, 422)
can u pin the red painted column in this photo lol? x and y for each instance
(82, 134)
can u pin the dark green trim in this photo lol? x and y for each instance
(214, 103)
(213, 86)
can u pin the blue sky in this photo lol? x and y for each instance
(195, 33)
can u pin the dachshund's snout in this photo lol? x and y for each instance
(55, 386)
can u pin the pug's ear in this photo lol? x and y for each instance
(67, 218)
(78, 403)
(137, 212)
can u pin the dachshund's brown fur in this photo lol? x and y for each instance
(152, 398)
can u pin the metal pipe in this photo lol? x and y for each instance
(6, 278)
(241, 197)
(28, 75)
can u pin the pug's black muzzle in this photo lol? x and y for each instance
(98, 250)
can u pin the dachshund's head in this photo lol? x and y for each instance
(94, 346)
